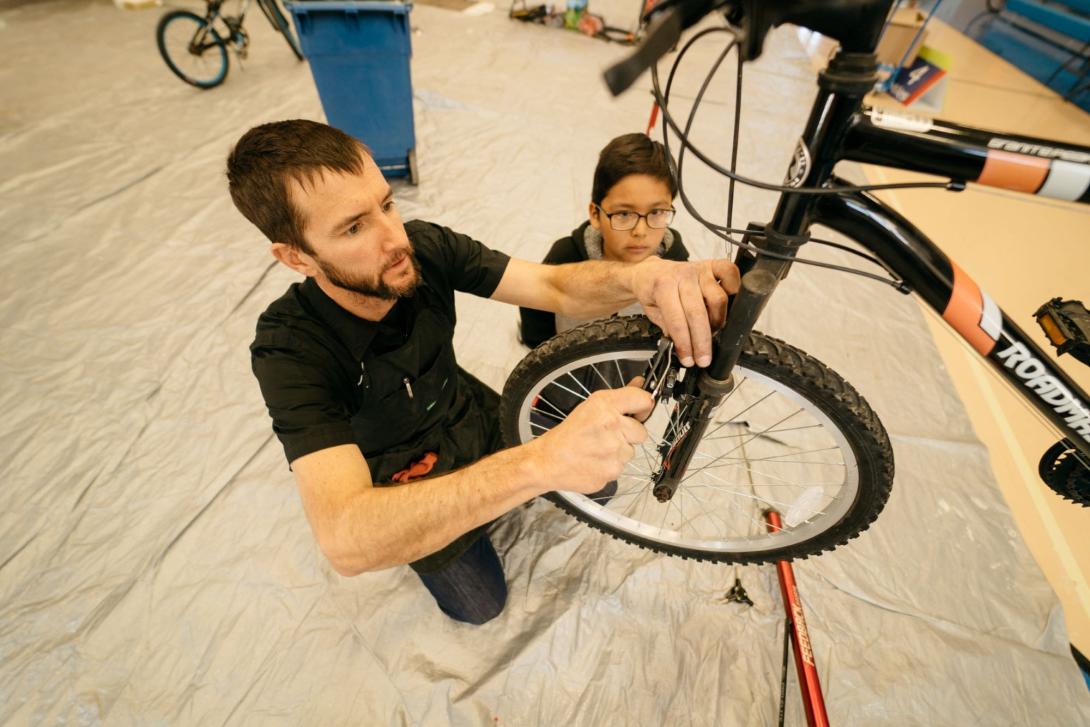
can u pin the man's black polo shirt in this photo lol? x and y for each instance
(316, 362)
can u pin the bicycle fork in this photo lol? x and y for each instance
(717, 381)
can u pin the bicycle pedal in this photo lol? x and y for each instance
(1067, 325)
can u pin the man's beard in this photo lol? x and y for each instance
(375, 287)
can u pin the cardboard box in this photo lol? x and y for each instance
(899, 35)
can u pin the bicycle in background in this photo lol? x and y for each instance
(195, 47)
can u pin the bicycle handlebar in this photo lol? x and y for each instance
(663, 34)
(857, 24)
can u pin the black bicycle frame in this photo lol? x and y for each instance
(839, 129)
(232, 23)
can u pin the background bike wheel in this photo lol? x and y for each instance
(793, 436)
(204, 66)
(1062, 469)
(276, 14)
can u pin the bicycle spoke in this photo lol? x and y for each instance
(647, 457)
(558, 410)
(775, 458)
(789, 483)
(559, 385)
(755, 497)
(643, 507)
(774, 431)
(740, 444)
(805, 451)
(722, 488)
(700, 503)
(735, 461)
(680, 512)
(544, 413)
(603, 378)
(782, 481)
(741, 463)
(577, 383)
(747, 516)
(733, 419)
(665, 514)
(673, 420)
(786, 461)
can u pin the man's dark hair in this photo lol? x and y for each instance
(631, 154)
(269, 156)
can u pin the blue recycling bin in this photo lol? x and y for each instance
(359, 55)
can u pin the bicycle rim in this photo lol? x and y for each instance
(194, 51)
(768, 447)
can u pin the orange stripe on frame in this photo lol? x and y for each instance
(1017, 172)
(965, 309)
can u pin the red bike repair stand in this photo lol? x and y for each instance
(812, 699)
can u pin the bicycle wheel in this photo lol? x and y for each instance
(274, 12)
(792, 436)
(1062, 469)
(192, 49)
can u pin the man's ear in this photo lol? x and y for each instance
(592, 215)
(294, 258)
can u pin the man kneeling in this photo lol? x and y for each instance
(396, 450)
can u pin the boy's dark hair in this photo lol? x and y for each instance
(631, 154)
(267, 157)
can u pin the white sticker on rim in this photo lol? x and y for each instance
(804, 507)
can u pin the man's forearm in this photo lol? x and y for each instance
(593, 288)
(382, 527)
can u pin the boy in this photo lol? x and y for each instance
(628, 221)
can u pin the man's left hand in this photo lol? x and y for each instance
(687, 301)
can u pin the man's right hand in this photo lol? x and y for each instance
(593, 444)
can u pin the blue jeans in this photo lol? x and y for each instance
(471, 588)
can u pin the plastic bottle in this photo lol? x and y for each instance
(574, 12)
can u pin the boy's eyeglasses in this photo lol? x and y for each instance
(627, 220)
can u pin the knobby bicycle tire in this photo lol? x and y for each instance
(176, 19)
(281, 24)
(1063, 471)
(764, 358)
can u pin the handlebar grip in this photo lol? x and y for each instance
(662, 35)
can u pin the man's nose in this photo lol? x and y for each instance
(393, 234)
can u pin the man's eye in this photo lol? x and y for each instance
(389, 205)
(624, 217)
(355, 228)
